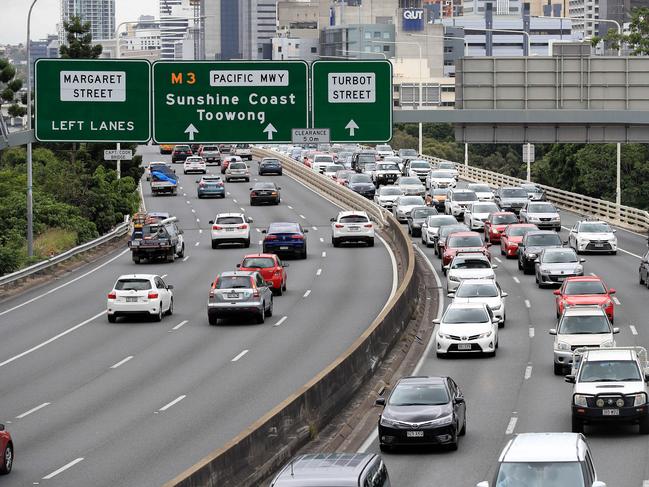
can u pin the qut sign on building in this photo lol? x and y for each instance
(413, 19)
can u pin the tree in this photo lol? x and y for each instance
(10, 84)
(637, 39)
(79, 41)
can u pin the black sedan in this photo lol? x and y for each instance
(362, 184)
(422, 411)
(270, 166)
(417, 217)
(264, 192)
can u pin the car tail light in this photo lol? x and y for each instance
(242, 227)
(368, 225)
(278, 272)
(338, 225)
(152, 296)
(271, 237)
(297, 237)
(254, 193)
(255, 291)
(201, 185)
(112, 295)
(217, 227)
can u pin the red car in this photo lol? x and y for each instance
(585, 290)
(496, 223)
(269, 266)
(342, 176)
(463, 242)
(6, 451)
(512, 236)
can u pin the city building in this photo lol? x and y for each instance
(176, 18)
(500, 7)
(100, 14)
(43, 48)
(299, 19)
(294, 48)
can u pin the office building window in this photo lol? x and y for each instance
(314, 50)
(386, 48)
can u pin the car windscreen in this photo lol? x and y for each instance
(344, 174)
(419, 165)
(211, 148)
(465, 315)
(133, 285)
(409, 180)
(464, 241)
(284, 228)
(229, 220)
(514, 193)
(584, 287)
(211, 179)
(540, 474)
(387, 167)
(238, 165)
(407, 152)
(270, 162)
(258, 262)
(323, 159)
(264, 186)
(154, 231)
(365, 158)
(520, 231)
(182, 147)
(594, 228)
(233, 282)
(609, 371)
(411, 201)
(370, 166)
(530, 188)
(389, 190)
(502, 219)
(484, 208)
(383, 148)
(194, 159)
(543, 240)
(334, 168)
(470, 289)
(441, 175)
(360, 178)
(440, 192)
(353, 219)
(541, 208)
(584, 325)
(559, 257)
(480, 188)
(419, 395)
(465, 196)
(469, 263)
(421, 213)
(447, 229)
(440, 220)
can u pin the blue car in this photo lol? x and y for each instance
(285, 238)
(211, 185)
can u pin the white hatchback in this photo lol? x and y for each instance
(467, 328)
(140, 294)
(352, 226)
(237, 170)
(230, 228)
(194, 164)
(485, 291)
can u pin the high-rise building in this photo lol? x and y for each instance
(176, 20)
(100, 14)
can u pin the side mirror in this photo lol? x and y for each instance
(446, 267)
(269, 283)
(278, 188)
(211, 222)
(616, 330)
(494, 266)
(612, 291)
(380, 401)
(458, 400)
(263, 231)
(495, 320)
(646, 379)
(170, 286)
(488, 244)
(582, 260)
(436, 322)
(504, 294)
(249, 220)
(250, 189)
(238, 266)
(557, 292)
(284, 265)
(198, 180)
(2, 427)
(306, 230)
(552, 331)
(332, 220)
(570, 379)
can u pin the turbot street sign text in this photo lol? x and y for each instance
(229, 101)
(92, 100)
(353, 99)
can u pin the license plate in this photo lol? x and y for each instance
(464, 346)
(560, 279)
(599, 245)
(354, 229)
(414, 434)
(610, 412)
(229, 229)
(283, 247)
(131, 300)
(233, 296)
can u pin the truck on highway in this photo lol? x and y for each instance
(163, 180)
(159, 240)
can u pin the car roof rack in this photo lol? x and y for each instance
(640, 352)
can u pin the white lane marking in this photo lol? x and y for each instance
(179, 325)
(516, 280)
(528, 372)
(498, 260)
(528, 304)
(616, 301)
(33, 410)
(188, 202)
(228, 193)
(593, 274)
(63, 468)
(303, 217)
(260, 242)
(630, 253)
(234, 200)
(235, 359)
(290, 207)
(324, 254)
(184, 194)
(318, 272)
(172, 403)
(258, 230)
(511, 426)
(185, 258)
(306, 294)
(198, 220)
(29, 301)
(315, 228)
(196, 244)
(200, 230)
(193, 210)
(645, 483)
(633, 329)
(321, 239)
(54, 338)
(121, 362)
(281, 320)
(242, 208)
(181, 187)
(531, 332)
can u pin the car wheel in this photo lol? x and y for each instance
(158, 317)
(261, 316)
(269, 313)
(385, 448)
(463, 430)
(646, 281)
(502, 323)
(558, 369)
(112, 318)
(644, 426)
(502, 251)
(577, 425)
(284, 287)
(212, 320)
(641, 281)
(170, 311)
(181, 254)
(335, 242)
(214, 244)
(246, 243)
(279, 291)
(454, 444)
(247, 180)
(7, 459)
(370, 242)
(136, 260)
(303, 254)
(171, 256)
(614, 252)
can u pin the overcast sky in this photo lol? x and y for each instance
(46, 14)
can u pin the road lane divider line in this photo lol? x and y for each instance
(498, 260)
(188, 202)
(180, 325)
(531, 332)
(242, 208)
(53, 339)
(318, 272)
(185, 258)
(511, 426)
(121, 362)
(281, 320)
(321, 239)
(258, 230)
(528, 372)
(324, 254)
(196, 244)
(236, 359)
(616, 301)
(228, 193)
(630, 253)
(260, 242)
(315, 229)
(172, 403)
(29, 301)
(234, 200)
(290, 207)
(200, 230)
(63, 468)
(193, 210)
(633, 329)
(528, 305)
(184, 194)
(516, 280)
(33, 410)
(303, 217)
(198, 220)
(306, 294)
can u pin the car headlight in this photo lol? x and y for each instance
(579, 269)
(388, 422)
(496, 307)
(444, 336)
(544, 271)
(580, 400)
(454, 278)
(486, 335)
(608, 343)
(639, 399)
(437, 422)
(495, 230)
(534, 219)
(532, 256)
(563, 346)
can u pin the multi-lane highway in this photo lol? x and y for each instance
(517, 391)
(134, 403)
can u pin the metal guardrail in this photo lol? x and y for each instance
(623, 216)
(118, 231)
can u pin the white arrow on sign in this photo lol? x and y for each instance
(270, 130)
(351, 126)
(191, 130)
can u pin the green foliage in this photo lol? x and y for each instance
(79, 41)
(16, 110)
(9, 86)
(637, 40)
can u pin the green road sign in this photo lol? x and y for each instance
(228, 101)
(92, 100)
(353, 99)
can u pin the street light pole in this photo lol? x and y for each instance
(30, 196)
(511, 31)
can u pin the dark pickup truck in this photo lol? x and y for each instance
(159, 240)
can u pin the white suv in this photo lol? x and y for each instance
(230, 228)
(485, 291)
(468, 266)
(194, 164)
(140, 294)
(237, 170)
(352, 226)
(592, 236)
